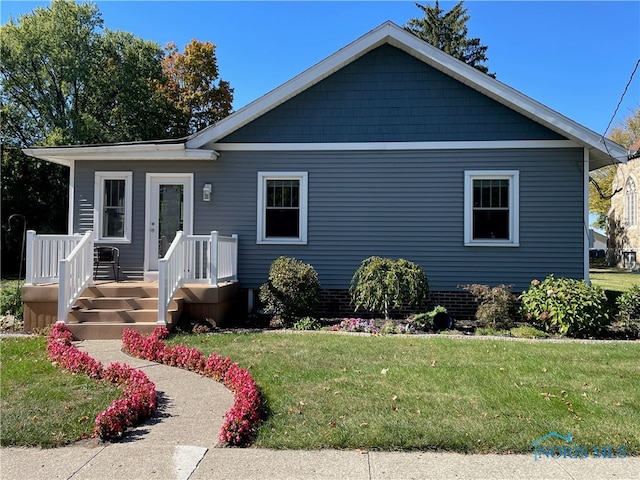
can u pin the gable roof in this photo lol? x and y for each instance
(601, 150)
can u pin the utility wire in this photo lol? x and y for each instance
(621, 98)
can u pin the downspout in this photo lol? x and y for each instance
(585, 189)
(72, 185)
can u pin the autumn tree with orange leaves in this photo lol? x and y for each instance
(193, 85)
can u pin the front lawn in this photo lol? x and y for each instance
(402, 393)
(43, 405)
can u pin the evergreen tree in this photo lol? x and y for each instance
(448, 32)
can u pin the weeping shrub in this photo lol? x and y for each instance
(382, 284)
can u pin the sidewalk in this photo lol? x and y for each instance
(180, 443)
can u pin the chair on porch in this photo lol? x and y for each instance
(106, 256)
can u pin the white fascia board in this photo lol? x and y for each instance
(66, 155)
(370, 146)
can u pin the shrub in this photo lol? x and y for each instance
(566, 306)
(292, 289)
(381, 284)
(629, 309)
(307, 323)
(496, 305)
(11, 300)
(436, 319)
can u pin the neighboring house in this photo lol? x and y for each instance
(624, 214)
(597, 241)
(388, 147)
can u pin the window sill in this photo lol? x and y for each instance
(282, 241)
(491, 244)
(112, 241)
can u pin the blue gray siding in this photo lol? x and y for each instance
(389, 96)
(408, 204)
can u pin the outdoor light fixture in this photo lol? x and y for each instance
(206, 192)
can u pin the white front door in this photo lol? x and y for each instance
(169, 209)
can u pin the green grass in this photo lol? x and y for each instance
(391, 393)
(42, 405)
(616, 281)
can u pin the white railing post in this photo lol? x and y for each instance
(213, 259)
(235, 257)
(171, 273)
(63, 290)
(30, 265)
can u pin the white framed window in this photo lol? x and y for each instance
(491, 208)
(113, 195)
(630, 203)
(282, 208)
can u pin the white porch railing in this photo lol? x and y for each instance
(208, 259)
(44, 253)
(76, 273)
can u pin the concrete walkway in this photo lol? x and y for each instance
(180, 443)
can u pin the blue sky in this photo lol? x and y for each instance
(575, 57)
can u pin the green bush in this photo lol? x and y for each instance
(11, 300)
(565, 306)
(629, 309)
(307, 323)
(527, 331)
(382, 284)
(426, 321)
(496, 306)
(292, 289)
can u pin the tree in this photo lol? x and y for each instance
(448, 32)
(194, 86)
(626, 134)
(65, 79)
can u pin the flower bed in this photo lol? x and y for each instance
(139, 393)
(241, 422)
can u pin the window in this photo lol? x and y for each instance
(282, 207)
(631, 203)
(112, 207)
(491, 204)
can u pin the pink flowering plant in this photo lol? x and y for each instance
(356, 325)
(241, 422)
(138, 400)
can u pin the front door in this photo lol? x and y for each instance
(169, 201)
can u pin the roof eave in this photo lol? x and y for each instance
(120, 152)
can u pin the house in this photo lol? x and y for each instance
(388, 147)
(624, 214)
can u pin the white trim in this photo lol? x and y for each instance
(98, 207)
(585, 220)
(187, 221)
(123, 152)
(514, 207)
(368, 146)
(72, 188)
(261, 238)
(395, 35)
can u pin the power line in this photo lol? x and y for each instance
(621, 98)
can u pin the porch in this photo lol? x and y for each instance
(197, 278)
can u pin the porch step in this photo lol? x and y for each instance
(103, 311)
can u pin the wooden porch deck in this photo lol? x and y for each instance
(106, 308)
